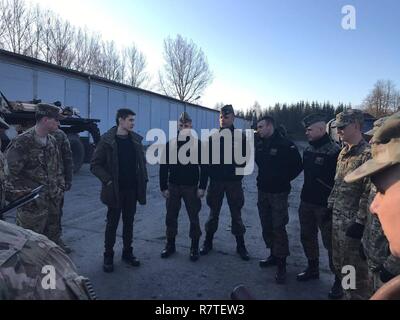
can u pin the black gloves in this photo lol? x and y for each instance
(355, 231)
(385, 275)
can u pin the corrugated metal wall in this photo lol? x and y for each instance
(25, 79)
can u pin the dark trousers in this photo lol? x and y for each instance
(192, 204)
(274, 216)
(235, 197)
(313, 218)
(127, 202)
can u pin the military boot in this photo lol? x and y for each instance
(169, 248)
(207, 245)
(108, 264)
(194, 250)
(312, 271)
(280, 276)
(269, 262)
(241, 248)
(336, 292)
(129, 258)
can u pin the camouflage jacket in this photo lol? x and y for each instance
(66, 154)
(376, 246)
(350, 200)
(34, 268)
(31, 164)
(3, 177)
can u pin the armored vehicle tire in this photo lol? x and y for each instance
(78, 151)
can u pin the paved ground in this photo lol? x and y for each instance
(212, 277)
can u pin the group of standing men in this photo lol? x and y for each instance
(42, 156)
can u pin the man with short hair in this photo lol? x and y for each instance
(279, 162)
(225, 180)
(384, 171)
(319, 163)
(34, 160)
(183, 181)
(120, 165)
(349, 205)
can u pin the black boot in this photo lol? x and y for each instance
(336, 292)
(269, 262)
(312, 271)
(169, 248)
(108, 264)
(241, 248)
(194, 250)
(128, 257)
(280, 276)
(207, 245)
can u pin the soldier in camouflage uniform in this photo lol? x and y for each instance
(64, 148)
(3, 172)
(349, 203)
(384, 170)
(33, 160)
(382, 266)
(24, 256)
(319, 163)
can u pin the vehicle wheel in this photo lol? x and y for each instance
(78, 151)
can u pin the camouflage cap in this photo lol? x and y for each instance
(228, 109)
(385, 151)
(377, 124)
(49, 110)
(349, 116)
(3, 124)
(185, 117)
(312, 119)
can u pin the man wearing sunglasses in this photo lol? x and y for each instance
(349, 205)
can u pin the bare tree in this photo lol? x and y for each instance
(186, 72)
(110, 62)
(218, 106)
(87, 51)
(136, 67)
(383, 99)
(16, 25)
(256, 109)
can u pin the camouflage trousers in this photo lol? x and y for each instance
(192, 204)
(346, 252)
(235, 197)
(313, 218)
(41, 216)
(375, 282)
(274, 216)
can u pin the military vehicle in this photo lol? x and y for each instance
(21, 115)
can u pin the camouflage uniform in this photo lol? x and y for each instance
(64, 148)
(32, 164)
(376, 250)
(349, 202)
(23, 254)
(3, 176)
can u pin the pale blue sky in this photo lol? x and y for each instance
(270, 51)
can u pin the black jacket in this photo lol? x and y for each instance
(105, 166)
(319, 162)
(278, 161)
(182, 174)
(226, 171)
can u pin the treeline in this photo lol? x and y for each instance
(290, 116)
